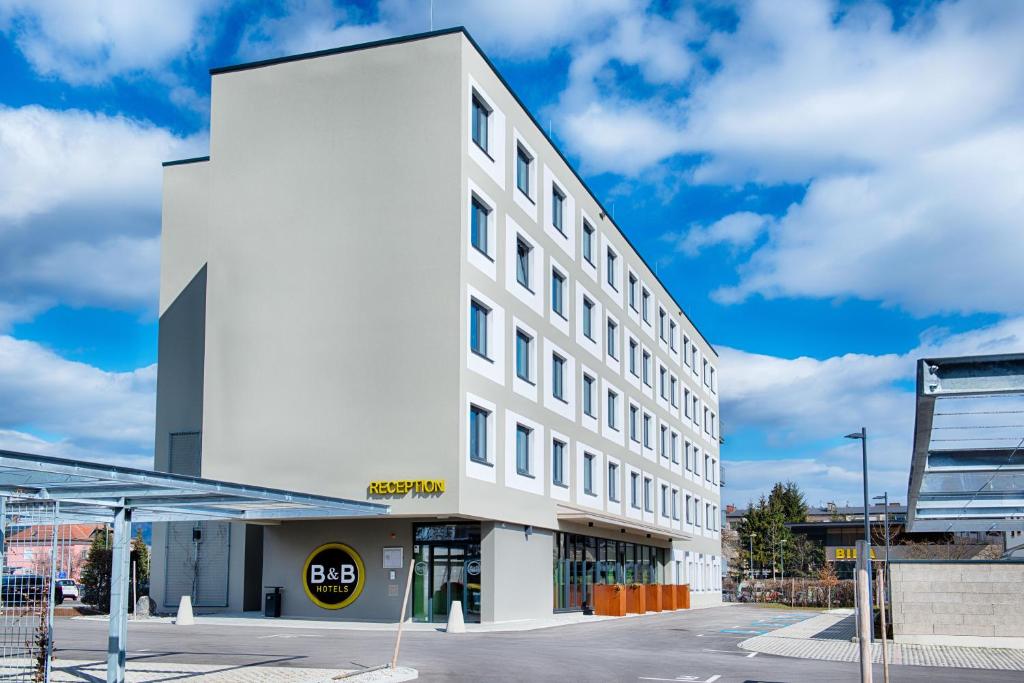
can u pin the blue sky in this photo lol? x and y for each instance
(831, 189)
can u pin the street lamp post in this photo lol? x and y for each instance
(863, 436)
(782, 559)
(885, 498)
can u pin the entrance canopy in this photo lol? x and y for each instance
(967, 470)
(93, 492)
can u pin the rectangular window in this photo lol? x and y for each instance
(523, 341)
(713, 384)
(672, 335)
(662, 327)
(634, 423)
(610, 266)
(663, 382)
(613, 331)
(707, 467)
(481, 114)
(523, 449)
(707, 422)
(558, 462)
(647, 368)
(689, 510)
(588, 243)
(633, 353)
(558, 209)
(478, 328)
(706, 380)
(675, 504)
(707, 515)
(648, 502)
(588, 473)
(675, 448)
(557, 292)
(674, 391)
(632, 291)
(664, 442)
(588, 318)
(613, 410)
(613, 482)
(479, 215)
(647, 431)
(558, 377)
(588, 395)
(664, 500)
(478, 433)
(523, 161)
(686, 401)
(523, 250)
(686, 350)
(689, 456)
(645, 305)
(634, 490)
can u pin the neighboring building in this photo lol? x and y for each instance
(29, 549)
(386, 272)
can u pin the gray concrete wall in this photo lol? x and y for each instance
(286, 547)
(958, 603)
(520, 568)
(333, 265)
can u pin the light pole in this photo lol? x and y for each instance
(885, 498)
(782, 559)
(863, 436)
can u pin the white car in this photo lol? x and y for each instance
(67, 589)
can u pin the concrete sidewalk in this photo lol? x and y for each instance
(139, 670)
(829, 637)
(257, 619)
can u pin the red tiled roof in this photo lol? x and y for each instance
(42, 533)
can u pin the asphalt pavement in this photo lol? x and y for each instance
(699, 645)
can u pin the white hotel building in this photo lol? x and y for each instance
(386, 271)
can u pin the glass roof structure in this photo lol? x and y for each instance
(967, 469)
(93, 492)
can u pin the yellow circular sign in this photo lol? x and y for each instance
(333, 576)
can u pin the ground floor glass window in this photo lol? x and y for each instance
(580, 561)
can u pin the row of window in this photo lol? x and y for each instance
(638, 297)
(640, 484)
(639, 365)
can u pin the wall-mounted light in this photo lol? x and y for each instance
(527, 530)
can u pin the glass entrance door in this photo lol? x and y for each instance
(447, 569)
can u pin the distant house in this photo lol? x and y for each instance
(29, 549)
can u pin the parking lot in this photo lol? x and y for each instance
(700, 645)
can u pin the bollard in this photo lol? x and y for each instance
(455, 621)
(185, 617)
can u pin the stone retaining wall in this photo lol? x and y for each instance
(958, 603)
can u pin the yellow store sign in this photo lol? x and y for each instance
(401, 487)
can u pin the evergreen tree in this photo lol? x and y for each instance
(96, 572)
(764, 524)
(140, 555)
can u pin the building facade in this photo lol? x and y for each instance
(386, 283)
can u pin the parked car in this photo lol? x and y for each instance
(67, 589)
(21, 589)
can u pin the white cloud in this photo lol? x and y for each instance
(737, 230)
(96, 413)
(90, 41)
(797, 403)
(909, 142)
(80, 208)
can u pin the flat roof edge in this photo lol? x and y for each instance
(180, 162)
(336, 50)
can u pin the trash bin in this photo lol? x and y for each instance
(272, 602)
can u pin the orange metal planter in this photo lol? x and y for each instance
(685, 588)
(610, 600)
(668, 597)
(654, 595)
(636, 599)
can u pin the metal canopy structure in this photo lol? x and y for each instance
(77, 491)
(967, 469)
(93, 492)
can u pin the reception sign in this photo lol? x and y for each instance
(333, 576)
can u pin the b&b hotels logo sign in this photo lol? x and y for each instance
(333, 576)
